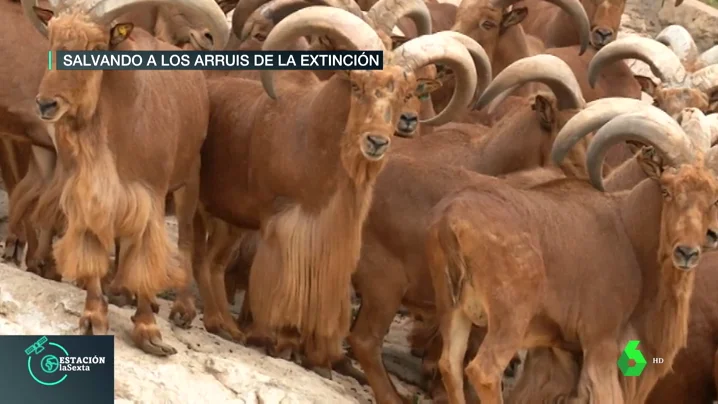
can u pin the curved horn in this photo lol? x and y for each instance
(27, 8)
(664, 63)
(430, 49)
(336, 23)
(697, 127)
(574, 8)
(706, 79)
(709, 57)
(680, 41)
(481, 59)
(546, 69)
(105, 11)
(242, 13)
(384, 15)
(652, 127)
(595, 115)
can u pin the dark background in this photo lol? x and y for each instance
(95, 386)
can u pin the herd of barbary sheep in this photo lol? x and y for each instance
(500, 178)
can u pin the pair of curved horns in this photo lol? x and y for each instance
(624, 119)
(383, 15)
(543, 68)
(344, 27)
(665, 63)
(574, 8)
(105, 11)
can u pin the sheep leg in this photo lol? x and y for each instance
(146, 334)
(598, 382)
(42, 262)
(31, 241)
(185, 199)
(225, 237)
(503, 339)
(94, 318)
(455, 331)
(372, 323)
(145, 269)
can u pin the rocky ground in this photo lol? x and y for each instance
(210, 369)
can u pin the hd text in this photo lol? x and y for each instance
(215, 60)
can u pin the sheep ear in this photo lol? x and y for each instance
(43, 14)
(513, 17)
(713, 102)
(651, 162)
(647, 85)
(397, 41)
(426, 86)
(120, 32)
(545, 112)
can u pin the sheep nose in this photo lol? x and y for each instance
(686, 257)
(711, 239)
(602, 36)
(407, 123)
(376, 145)
(46, 106)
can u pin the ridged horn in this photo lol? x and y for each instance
(482, 62)
(697, 127)
(337, 24)
(596, 114)
(709, 57)
(680, 41)
(545, 69)
(651, 127)
(431, 49)
(664, 63)
(574, 8)
(105, 11)
(706, 79)
(384, 15)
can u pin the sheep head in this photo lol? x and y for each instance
(678, 156)
(253, 19)
(89, 26)
(490, 19)
(377, 97)
(680, 86)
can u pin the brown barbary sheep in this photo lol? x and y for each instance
(113, 189)
(548, 23)
(311, 207)
(645, 244)
(680, 86)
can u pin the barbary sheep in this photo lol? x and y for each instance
(680, 86)
(496, 261)
(300, 199)
(111, 188)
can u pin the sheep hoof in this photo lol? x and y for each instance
(182, 313)
(148, 338)
(346, 368)
(94, 323)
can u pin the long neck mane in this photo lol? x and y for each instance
(661, 318)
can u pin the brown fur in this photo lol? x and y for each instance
(524, 309)
(106, 193)
(293, 225)
(555, 28)
(392, 270)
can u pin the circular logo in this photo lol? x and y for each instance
(50, 363)
(46, 370)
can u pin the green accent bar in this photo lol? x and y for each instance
(49, 60)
